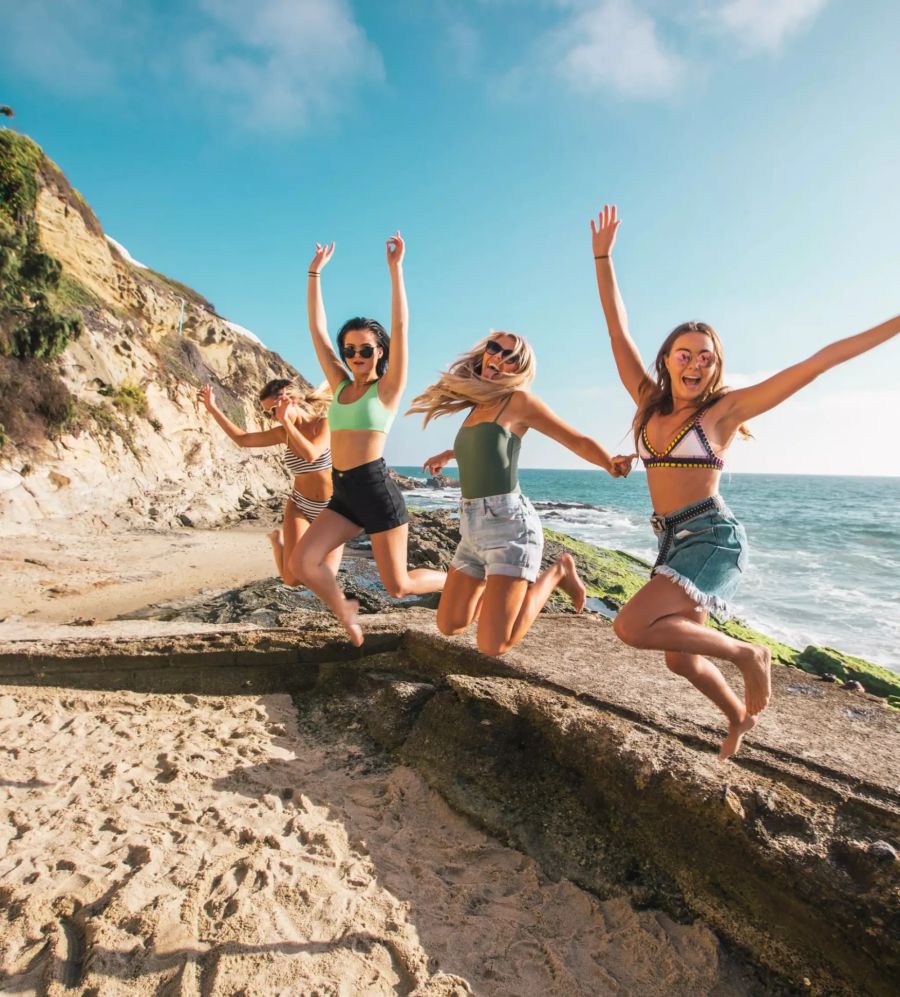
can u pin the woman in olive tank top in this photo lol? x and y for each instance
(364, 405)
(495, 574)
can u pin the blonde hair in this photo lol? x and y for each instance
(312, 402)
(656, 393)
(461, 386)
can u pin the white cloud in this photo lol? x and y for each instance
(764, 25)
(275, 63)
(614, 44)
(279, 61)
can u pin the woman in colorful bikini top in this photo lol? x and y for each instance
(686, 420)
(364, 496)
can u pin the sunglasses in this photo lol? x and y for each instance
(349, 352)
(705, 358)
(493, 347)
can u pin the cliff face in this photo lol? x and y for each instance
(109, 428)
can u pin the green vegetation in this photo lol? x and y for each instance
(182, 290)
(31, 325)
(614, 577)
(128, 397)
(2, 436)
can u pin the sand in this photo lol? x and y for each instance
(224, 845)
(57, 578)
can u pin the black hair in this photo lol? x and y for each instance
(381, 337)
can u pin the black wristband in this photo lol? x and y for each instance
(606, 257)
(313, 273)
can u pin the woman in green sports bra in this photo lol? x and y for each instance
(363, 409)
(495, 574)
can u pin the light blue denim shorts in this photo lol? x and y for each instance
(702, 548)
(501, 535)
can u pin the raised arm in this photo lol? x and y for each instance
(318, 324)
(538, 415)
(745, 403)
(306, 448)
(269, 438)
(394, 380)
(625, 352)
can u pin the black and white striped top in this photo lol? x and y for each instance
(297, 465)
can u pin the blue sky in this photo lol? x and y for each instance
(752, 147)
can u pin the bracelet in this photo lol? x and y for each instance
(313, 273)
(606, 257)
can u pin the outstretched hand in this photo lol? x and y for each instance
(621, 466)
(324, 252)
(603, 231)
(206, 397)
(396, 247)
(434, 465)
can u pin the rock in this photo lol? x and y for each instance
(405, 483)
(185, 520)
(853, 686)
(883, 851)
(828, 677)
(441, 481)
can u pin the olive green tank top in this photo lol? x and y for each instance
(487, 456)
(367, 412)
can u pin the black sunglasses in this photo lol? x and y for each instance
(493, 347)
(349, 352)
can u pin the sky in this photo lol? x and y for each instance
(752, 146)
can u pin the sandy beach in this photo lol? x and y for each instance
(216, 845)
(56, 578)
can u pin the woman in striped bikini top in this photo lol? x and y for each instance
(304, 437)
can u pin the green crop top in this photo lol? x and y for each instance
(487, 456)
(367, 412)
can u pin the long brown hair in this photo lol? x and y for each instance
(462, 386)
(656, 394)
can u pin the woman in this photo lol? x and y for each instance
(303, 435)
(685, 422)
(495, 571)
(360, 416)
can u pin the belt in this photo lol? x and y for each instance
(664, 526)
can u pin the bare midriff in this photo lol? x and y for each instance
(352, 447)
(314, 485)
(673, 488)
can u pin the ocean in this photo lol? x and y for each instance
(824, 550)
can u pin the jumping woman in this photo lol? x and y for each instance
(363, 409)
(685, 422)
(495, 574)
(303, 436)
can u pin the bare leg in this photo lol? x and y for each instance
(704, 676)
(460, 602)
(390, 550)
(315, 560)
(663, 617)
(511, 605)
(284, 540)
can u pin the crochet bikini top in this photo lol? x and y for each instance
(690, 448)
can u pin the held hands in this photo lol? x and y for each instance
(621, 466)
(434, 465)
(396, 247)
(206, 397)
(603, 231)
(324, 252)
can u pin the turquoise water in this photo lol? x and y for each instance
(825, 551)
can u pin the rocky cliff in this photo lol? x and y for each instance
(98, 411)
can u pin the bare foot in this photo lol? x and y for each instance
(570, 583)
(275, 538)
(736, 731)
(350, 621)
(755, 664)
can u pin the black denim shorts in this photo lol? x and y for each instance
(368, 497)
